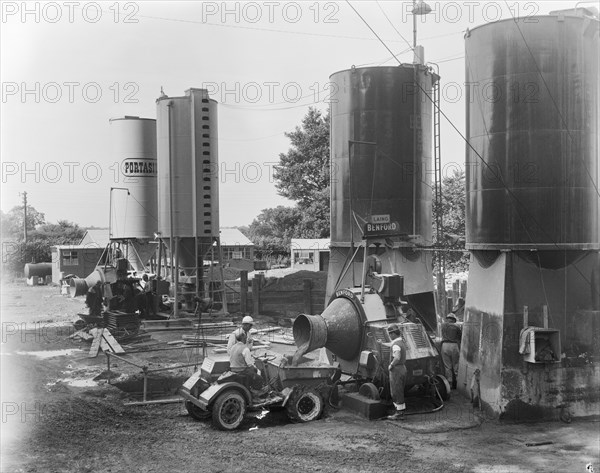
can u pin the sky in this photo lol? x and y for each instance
(66, 68)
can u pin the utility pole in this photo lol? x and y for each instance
(25, 216)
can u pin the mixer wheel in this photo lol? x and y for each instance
(442, 385)
(370, 391)
(305, 405)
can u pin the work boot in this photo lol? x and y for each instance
(398, 415)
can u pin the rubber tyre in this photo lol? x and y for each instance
(305, 406)
(196, 412)
(370, 391)
(443, 387)
(228, 410)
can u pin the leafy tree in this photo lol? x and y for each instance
(273, 229)
(453, 220)
(314, 221)
(61, 233)
(303, 172)
(41, 237)
(12, 222)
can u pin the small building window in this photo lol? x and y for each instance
(304, 257)
(70, 258)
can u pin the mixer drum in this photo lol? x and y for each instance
(338, 329)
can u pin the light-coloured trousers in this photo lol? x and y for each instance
(450, 356)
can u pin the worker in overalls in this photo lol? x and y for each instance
(397, 369)
(451, 336)
(241, 362)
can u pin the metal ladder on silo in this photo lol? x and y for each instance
(437, 165)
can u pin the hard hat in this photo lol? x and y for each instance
(451, 316)
(247, 320)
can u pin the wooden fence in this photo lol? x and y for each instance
(257, 297)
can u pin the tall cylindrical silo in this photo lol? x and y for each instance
(532, 215)
(134, 196)
(188, 185)
(381, 151)
(381, 173)
(532, 120)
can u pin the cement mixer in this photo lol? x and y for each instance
(354, 330)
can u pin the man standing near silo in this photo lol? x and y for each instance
(451, 336)
(397, 369)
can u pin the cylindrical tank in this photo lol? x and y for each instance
(80, 286)
(532, 119)
(338, 328)
(188, 185)
(38, 269)
(134, 198)
(390, 178)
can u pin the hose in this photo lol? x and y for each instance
(435, 409)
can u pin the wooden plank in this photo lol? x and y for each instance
(157, 401)
(114, 345)
(96, 343)
(82, 334)
(282, 341)
(214, 325)
(193, 338)
(169, 329)
(105, 346)
(266, 330)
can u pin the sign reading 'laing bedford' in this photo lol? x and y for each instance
(139, 167)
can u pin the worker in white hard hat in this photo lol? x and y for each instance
(247, 323)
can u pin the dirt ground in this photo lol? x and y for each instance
(55, 418)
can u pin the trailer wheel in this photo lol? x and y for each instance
(304, 406)
(228, 410)
(196, 412)
(370, 391)
(442, 385)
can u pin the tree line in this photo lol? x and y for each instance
(41, 236)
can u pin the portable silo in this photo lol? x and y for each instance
(133, 197)
(188, 186)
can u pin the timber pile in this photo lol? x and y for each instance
(121, 324)
(186, 324)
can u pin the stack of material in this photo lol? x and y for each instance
(121, 324)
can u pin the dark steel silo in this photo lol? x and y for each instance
(532, 119)
(389, 173)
